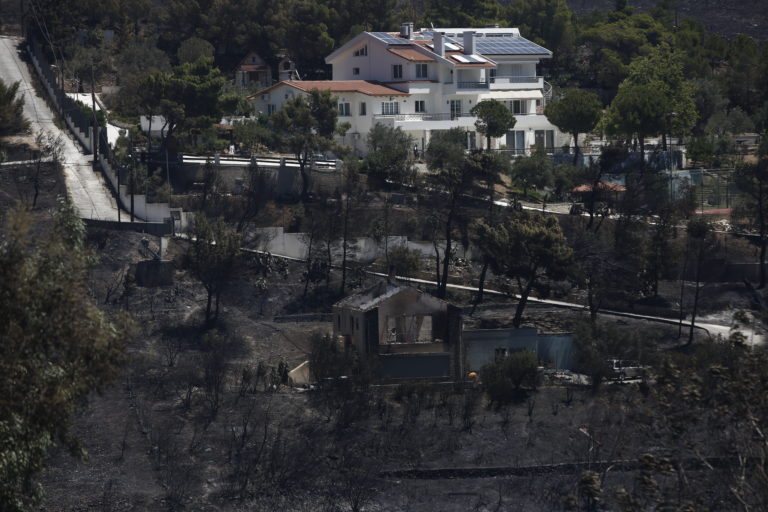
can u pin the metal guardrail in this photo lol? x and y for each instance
(422, 117)
(472, 85)
(264, 161)
(504, 79)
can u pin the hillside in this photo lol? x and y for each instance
(726, 17)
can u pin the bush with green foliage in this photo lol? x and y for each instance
(12, 118)
(503, 378)
(406, 262)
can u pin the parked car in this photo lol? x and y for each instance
(622, 369)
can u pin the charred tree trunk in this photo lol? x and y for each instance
(524, 294)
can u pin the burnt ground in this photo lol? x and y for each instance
(18, 181)
(154, 441)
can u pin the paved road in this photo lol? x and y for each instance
(86, 188)
(713, 325)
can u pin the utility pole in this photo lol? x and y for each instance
(95, 120)
(131, 178)
(119, 206)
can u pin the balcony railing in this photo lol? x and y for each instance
(472, 85)
(507, 79)
(422, 117)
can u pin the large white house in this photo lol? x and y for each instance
(430, 80)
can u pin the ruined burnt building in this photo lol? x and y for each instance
(406, 333)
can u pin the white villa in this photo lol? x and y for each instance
(430, 80)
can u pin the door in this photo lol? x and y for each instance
(540, 139)
(455, 109)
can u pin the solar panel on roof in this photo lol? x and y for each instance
(461, 59)
(475, 59)
(389, 38)
(513, 46)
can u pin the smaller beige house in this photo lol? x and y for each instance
(405, 332)
(253, 70)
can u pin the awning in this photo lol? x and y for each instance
(511, 95)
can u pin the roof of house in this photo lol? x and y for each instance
(456, 57)
(411, 54)
(601, 185)
(488, 41)
(252, 62)
(373, 296)
(368, 87)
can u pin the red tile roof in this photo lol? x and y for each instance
(601, 185)
(361, 86)
(411, 54)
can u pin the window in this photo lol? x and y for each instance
(420, 106)
(344, 110)
(421, 71)
(516, 141)
(520, 106)
(338, 321)
(362, 108)
(397, 71)
(500, 353)
(271, 109)
(362, 51)
(455, 109)
(545, 138)
(355, 71)
(390, 108)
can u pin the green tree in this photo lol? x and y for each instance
(253, 136)
(139, 59)
(503, 378)
(388, 158)
(212, 256)
(193, 49)
(453, 175)
(577, 111)
(12, 120)
(662, 69)
(614, 41)
(637, 110)
(307, 126)
(752, 180)
(550, 23)
(189, 98)
(405, 262)
(526, 248)
(57, 347)
(494, 120)
(534, 171)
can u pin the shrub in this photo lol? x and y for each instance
(503, 378)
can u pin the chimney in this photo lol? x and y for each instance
(438, 44)
(406, 29)
(469, 42)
